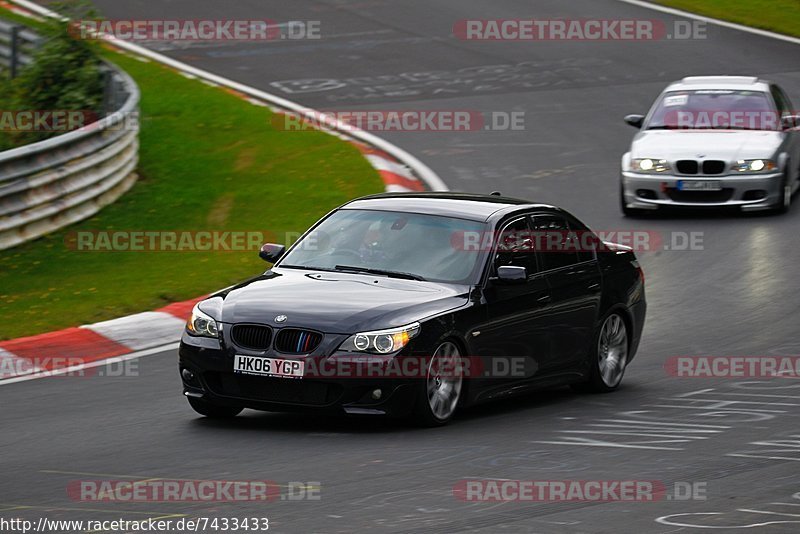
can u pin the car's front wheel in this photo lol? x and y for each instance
(785, 199)
(444, 381)
(608, 356)
(214, 411)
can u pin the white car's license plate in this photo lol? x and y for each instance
(258, 365)
(699, 185)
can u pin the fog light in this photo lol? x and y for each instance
(376, 394)
(187, 375)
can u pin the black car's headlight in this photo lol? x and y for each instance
(755, 165)
(381, 341)
(650, 165)
(202, 324)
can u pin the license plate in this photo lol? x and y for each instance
(699, 185)
(258, 365)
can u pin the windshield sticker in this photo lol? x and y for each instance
(676, 100)
(714, 92)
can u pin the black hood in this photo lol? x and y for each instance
(337, 303)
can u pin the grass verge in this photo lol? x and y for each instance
(208, 161)
(781, 16)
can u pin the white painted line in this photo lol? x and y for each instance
(632, 433)
(99, 363)
(713, 407)
(709, 20)
(142, 330)
(596, 443)
(383, 164)
(702, 425)
(423, 171)
(767, 512)
(760, 395)
(394, 188)
(14, 364)
(740, 455)
(640, 428)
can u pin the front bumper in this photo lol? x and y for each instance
(748, 192)
(212, 378)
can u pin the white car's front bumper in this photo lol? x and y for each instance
(749, 192)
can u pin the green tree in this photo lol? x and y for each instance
(65, 74)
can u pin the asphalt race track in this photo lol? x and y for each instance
(737, 296)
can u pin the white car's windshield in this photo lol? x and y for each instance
(404, 245)
(719, 109)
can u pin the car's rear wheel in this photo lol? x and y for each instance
(444, 381)
(608, 356)
(214, 411)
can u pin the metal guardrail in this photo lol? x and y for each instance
(53, 183)
(17, 43)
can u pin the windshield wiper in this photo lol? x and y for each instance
(307, 268)
(390, 274)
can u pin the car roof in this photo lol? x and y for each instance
(690, 83)
(476, 207)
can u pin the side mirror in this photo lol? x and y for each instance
(635, 120)
(271, 252)
(511, 274)
(790, 122)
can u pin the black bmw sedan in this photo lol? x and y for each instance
(416, 304)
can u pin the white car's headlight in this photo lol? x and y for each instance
(381, 341)
(649, 165)
(202, 324)
(755, 165)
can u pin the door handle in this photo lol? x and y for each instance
(544, 298)
(594, 286)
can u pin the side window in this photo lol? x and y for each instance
(786, 101)
(780, 100)
(587, 242)
(555, 244)
(514, 246)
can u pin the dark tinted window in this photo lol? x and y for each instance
(789, 105)
(514, 246)
(587, 241)
(780, 100)
(557, 246)
(430, 246)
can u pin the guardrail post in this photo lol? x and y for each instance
(108, 91)
(13, 60)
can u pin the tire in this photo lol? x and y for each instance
(785, 198)
(608, 356)
(439, 395)
(213, 411)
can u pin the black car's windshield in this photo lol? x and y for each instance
(389, 243)
(717, 109)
